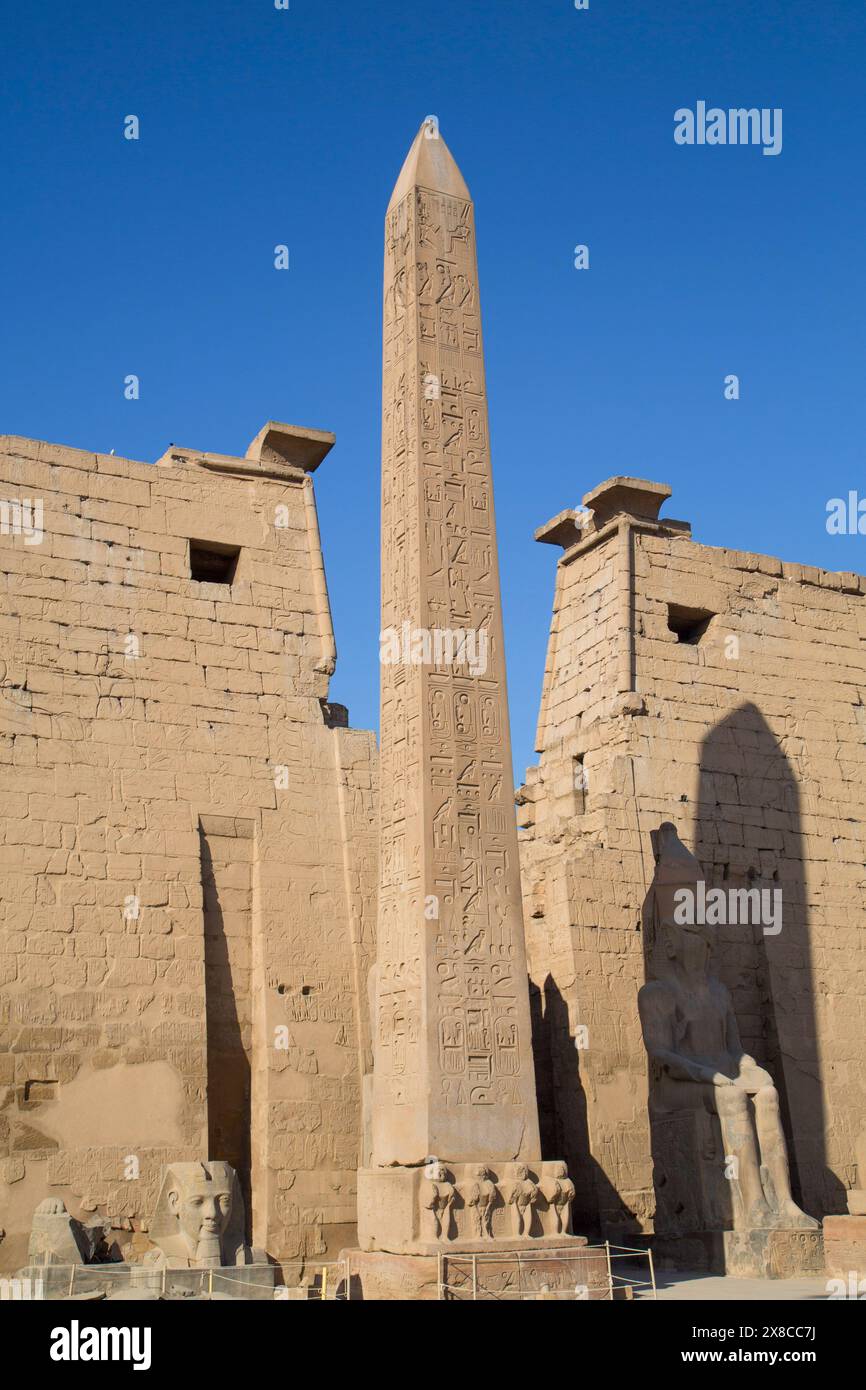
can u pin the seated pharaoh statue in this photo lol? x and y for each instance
(199, 1220)
(699, 1068)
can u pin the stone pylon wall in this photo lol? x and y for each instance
(158, 733)
(746, 729)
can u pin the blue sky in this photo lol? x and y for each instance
(261, 126)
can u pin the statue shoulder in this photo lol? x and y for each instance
(656, 996)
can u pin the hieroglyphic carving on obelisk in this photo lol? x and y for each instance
(453, 1074)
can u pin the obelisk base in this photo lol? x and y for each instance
(470, 1206)
(567, 1269)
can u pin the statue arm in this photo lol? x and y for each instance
(733, 1042)
(655, 1015)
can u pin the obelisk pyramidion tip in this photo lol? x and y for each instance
(431, 165)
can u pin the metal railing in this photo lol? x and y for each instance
(558, 1273)
(524, 1276)
(622, 1282)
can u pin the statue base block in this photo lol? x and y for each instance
(751, 1254)
(569, 1269)
(845, 1246)
(422, 1210)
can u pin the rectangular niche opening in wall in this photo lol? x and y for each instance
(579, 777)
(213, 563)
(689, 624)
(226, 847)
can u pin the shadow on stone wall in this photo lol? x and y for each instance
(228, 1068)
(747, 833)
(562, 1115)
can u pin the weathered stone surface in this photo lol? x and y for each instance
(845, 1248)
(187, 874)
(466, 1205)
(199, 1218)
(189, 852)
(453, 1061)
(576, 1272)
(722, 690)
(453, 1082)
(752, 1254)
(53, 1235)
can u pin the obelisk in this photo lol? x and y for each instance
(453, 1082)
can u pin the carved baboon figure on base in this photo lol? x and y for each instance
(559, 1191)
(439, 1199)
(481, 1199)
(523, 1197)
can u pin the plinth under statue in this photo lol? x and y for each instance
(722, 1178)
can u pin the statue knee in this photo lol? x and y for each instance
(767, 1098)
(730, 1100)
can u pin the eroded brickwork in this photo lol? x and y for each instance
(725, 692)
(146, 714)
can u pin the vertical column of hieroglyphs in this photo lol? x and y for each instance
(453, 1059)
(398, 1065)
